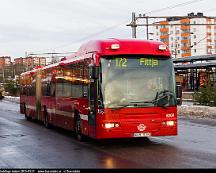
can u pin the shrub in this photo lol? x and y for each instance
(206, 96)
(12, 88)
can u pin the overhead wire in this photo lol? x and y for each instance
(123, 22)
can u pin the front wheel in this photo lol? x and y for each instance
(78, 129)
(28, 118)
(46, 119)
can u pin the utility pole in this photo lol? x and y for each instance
(133, 25)
(147, 29)
(3, 74)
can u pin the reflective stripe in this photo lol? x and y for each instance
(31, 107)
(66, 114)
(84, 117)
(51, 111)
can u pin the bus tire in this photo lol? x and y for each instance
(46, 119)
(78, 128)
(28, 118)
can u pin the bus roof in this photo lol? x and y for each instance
(122, 46)
(114, 46)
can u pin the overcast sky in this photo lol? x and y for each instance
(63, 25)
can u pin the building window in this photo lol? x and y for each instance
(194, 50)
(194, 36)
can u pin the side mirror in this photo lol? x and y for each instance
(100, 104)
(93, 72)
(178, 94)
(85, 94)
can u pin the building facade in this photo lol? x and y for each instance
(8, 69)
(31, 61)
(4, 61)
(5, 68)
(185, 38)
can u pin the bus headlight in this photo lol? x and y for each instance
(111, 125)
(170, 123)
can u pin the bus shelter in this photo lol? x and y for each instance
(195, 71)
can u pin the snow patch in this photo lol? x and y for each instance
(197, 111)
(12, 99)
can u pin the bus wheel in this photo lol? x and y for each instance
(46, 119)
(78, 130)
(28, 118)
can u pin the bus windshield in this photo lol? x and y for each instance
(137, 81)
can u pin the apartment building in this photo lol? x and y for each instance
(185, 38)
(5, 61)
(31, 61)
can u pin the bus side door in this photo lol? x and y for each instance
(92, 99)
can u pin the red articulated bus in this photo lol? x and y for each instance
(112, 88)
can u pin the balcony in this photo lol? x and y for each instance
(185, 27)
(166, 42)
(166, 30)
(185, 41)
(164, 22)
(185, 54)
(164, 36)
(186, 34)
(187, 20)
(185, 48)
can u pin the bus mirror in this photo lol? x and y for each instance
(93, 72)
(100, 104)
(178, 94)
(85, 94)
(163, 101)
(178, 101)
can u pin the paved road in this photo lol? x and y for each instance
(27, 144)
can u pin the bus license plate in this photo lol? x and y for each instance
(141, 134)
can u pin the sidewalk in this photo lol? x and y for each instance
(12, 99)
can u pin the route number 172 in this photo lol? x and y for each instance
(121, 62)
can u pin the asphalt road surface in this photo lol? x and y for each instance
(26, 144)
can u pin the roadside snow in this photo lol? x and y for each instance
(12, 99)
(197, 111)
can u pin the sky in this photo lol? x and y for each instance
(37, 26)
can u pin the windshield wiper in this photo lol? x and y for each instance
(134, 104)
(121, 106)
(161, 98)
(142, 102)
